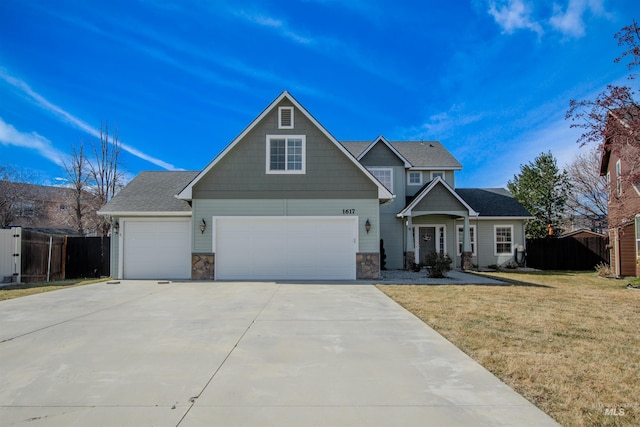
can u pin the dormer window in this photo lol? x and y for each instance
(285, 117)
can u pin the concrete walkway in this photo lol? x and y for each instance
(238, 354)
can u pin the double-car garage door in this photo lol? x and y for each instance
(246, 248)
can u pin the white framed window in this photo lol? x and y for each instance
(436, 174)
(472, 238)
(502, 239)
(286, 154)
(618, 178)
(285, 117)
(384, 175)
(414, 178)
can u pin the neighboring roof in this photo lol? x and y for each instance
(582, 231)
(383, 193)
(420, 154)
(151, 192)
(43, 193)
(493, 202)
(426, 189)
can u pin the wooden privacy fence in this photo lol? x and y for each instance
(42, 257)
(31, 256)
(87, 257)
(570, 253)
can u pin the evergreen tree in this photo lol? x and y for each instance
(543, 189)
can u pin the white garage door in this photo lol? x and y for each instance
(156, 249)
(290, 248)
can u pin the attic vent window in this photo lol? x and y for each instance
(285, 118)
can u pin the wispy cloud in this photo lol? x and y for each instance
(442, 125)
(514, 15)
(570, 22)
(277, 24)
(70, 119)
(9, 135)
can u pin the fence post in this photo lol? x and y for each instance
(49, 260)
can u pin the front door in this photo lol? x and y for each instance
(426, 242)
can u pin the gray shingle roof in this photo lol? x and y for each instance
(421, 154)
(152, 192)
(493, 202)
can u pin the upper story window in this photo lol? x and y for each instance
(286, 154)
(436, 174)
(285, 117)
(384, 175)
(415, 178)
(26, 209)
(618, 178)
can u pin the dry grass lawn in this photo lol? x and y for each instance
(24, 289)
(570, 345)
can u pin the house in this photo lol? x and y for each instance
(286, 200)
(37, 207)
(620, 164)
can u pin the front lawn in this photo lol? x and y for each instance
(24, 289)
(570, 343)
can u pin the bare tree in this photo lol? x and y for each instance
(10, 193)
(588, 198)
(612, 119)
(78, 177)
(105, 170)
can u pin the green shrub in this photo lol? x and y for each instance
(438, 264)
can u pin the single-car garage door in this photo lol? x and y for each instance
(289, 248)
(156, 249)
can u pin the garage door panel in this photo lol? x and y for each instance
(157, 249)
(285, 248)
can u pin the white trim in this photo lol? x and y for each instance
(383, 169)
(408, 210)
(619, 178)
(495, 242)
(286, 153)
(473, 240)
(409, 172)
(280, 125)
(384, 140)
(187, 192)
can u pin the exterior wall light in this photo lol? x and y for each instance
(367, 226)
(203, 226)
(116, 226)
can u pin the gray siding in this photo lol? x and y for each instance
(241, 174)
(392, 230)
(115, 253)
(364, 209)
(381, 155)
(439, 199)
(486, 241)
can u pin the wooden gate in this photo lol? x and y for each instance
(570, 253)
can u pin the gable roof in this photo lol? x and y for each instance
(493, 202)
(381, 139)
(151, 193)
(419, 155)
(426, 189)
(187, 192)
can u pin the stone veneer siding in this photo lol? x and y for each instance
(203, 266)
(367, 266)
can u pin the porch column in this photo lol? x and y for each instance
(467, 255)
(409, 252)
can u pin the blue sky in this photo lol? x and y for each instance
(490, 79)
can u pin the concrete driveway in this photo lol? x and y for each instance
(238, 354)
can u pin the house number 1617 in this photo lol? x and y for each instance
(348, 211)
